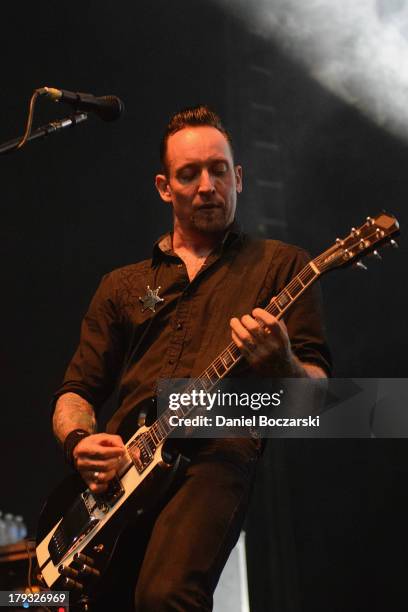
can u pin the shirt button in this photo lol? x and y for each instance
(171, 361)
(179, 325)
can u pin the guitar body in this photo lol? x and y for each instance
(100, 549)
(76, 537)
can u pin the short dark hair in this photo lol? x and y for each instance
(195, 116)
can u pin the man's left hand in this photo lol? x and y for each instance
(264, 342)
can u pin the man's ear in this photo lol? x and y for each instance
(163, 187)
(238, 178)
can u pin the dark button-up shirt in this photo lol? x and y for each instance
(125, 346)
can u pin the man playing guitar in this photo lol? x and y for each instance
(168, 317)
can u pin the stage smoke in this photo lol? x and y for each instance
(357, 49)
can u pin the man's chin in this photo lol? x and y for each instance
(210, 221)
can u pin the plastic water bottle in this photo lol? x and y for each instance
(11, 528)
(21, 527)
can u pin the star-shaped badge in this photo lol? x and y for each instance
(151, 299)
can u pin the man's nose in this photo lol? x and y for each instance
(206, 185)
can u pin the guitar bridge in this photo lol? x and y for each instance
(83, 516)
(75, 525)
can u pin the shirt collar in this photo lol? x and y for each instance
(163, 247)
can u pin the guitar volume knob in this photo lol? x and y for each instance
(83, 559)
(68, 571)
(73, 584)
(87, 570)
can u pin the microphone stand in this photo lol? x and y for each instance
(43, 131)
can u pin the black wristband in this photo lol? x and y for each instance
(70, 443)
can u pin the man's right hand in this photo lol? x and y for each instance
(98, 458)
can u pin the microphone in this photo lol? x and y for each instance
(108, 108)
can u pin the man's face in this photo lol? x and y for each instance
(202, 182)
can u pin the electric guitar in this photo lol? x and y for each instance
(78, 529)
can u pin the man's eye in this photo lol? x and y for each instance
(187, 175)
(220, 169)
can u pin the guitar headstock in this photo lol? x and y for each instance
(374, 233)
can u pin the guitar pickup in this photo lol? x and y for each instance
(142, 452)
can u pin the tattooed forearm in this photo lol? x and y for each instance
(72, 412)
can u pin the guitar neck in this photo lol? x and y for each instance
(222, 365)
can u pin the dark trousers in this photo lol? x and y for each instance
(171, 561)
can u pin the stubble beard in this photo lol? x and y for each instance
(210, 220)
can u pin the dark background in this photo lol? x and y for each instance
(327, 527)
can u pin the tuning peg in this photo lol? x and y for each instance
(394, 244)
(360, 265)
(377, 255)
